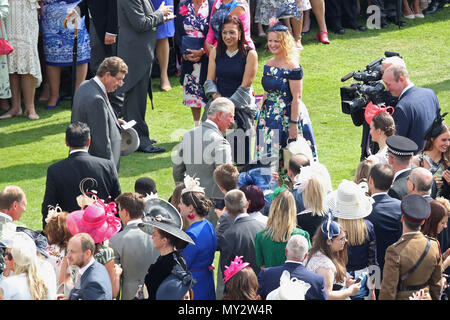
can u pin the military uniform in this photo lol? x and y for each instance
(401, 257)
(414, 261)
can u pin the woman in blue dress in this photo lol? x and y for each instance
(163, 33)
(232, 69)
(58, 45)
(199, 257)
(283, 116)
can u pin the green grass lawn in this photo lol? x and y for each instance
(27, 148)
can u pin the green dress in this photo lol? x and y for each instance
(270, 253)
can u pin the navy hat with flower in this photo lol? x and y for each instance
(329, 228)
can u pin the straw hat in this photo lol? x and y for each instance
(350, 201)
(23, 249)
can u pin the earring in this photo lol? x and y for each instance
(191, 216)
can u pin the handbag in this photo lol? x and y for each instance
(191, 43)
(5, 46)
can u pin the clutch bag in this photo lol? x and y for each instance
(191, 43)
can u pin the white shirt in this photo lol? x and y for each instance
(242, 215)
(77, 150)
(82, 270)
(100, 83)
(292, 261)
(213, 123)
(410, 85)
(133, 222)
(7, 217)
(375, 194)
(400, 172)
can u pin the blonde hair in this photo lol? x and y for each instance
(445, 203)
(38, 289)
(290, 50)
(314, 196)
(357, 232)
(282, 217)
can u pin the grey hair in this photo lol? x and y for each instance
(395, 60)
(220, 104)
(423, 179)
(235, 201)
(297, 247)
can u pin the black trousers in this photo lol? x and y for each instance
(341, 13)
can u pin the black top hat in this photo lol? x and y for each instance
(162, 215)
(415, 208)
(401, 146)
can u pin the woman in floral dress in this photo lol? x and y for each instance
(193, 21)
(283, 116)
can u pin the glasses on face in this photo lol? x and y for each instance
(341, 239)
(120, 79)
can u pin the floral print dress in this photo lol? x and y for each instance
(194, 94)
(273, 120)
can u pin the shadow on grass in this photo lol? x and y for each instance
(31, 135)
(439, 86)
(28, 171)
(139, 162)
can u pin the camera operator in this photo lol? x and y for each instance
(356, 97)
(416, 107)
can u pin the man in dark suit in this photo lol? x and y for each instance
(296, 251)
(239, 238)
(93, 282)
(91, 106)
(103, 29)
(416, 107)
(136, 44)
(386, 212)
(400, 154)
(64, 177)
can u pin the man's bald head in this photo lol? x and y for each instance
(296, 162)
(421, 180)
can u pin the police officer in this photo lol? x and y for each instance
(414, 261)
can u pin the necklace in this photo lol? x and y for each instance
(231, 54)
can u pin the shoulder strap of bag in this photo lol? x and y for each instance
(406, 275)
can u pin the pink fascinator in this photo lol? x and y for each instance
(235, 266)
(97, 219)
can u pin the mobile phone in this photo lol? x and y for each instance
(358, 280)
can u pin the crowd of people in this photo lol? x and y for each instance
(279, 228)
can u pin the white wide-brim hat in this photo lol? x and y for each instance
(350, 201)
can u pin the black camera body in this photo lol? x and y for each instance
(355, 97)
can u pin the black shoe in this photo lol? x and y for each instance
(152, 149)
(399, 23)
(356, 27)
(338, 30)
(432, 8)
(383, 25)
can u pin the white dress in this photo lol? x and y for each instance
(16, 287)
(379, 157)
(22, 28)
(319, 260)
(5, 90)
